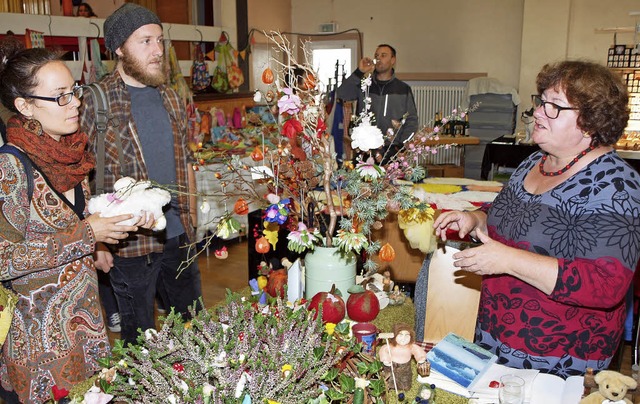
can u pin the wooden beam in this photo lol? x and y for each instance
(439, 76)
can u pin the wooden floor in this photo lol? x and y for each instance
(232, 273)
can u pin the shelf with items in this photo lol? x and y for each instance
(631, 77)
(60, 31)
(623, 56)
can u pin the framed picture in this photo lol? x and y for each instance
(619, 49)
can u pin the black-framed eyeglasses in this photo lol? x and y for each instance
(550, 109)
(62, 99)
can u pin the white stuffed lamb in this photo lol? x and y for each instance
(135, 197)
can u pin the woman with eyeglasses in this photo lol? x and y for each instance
(57, 333)
(562, 239)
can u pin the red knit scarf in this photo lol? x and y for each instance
(65, 163)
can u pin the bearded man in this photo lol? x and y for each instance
(148, 123)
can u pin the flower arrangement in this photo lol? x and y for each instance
(295, 177)
(274, 353)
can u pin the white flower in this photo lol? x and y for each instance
(369, 170)
(172, 399)
(366, 137)
(207, 390)
(184, 386)
(365, 83)
(150, 334)
(361, 383)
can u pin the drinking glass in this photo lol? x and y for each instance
(511, 390)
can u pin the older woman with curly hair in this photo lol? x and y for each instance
(561, 241)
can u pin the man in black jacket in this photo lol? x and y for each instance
(391, 98)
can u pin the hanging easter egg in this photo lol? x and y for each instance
(269, 96)
(267, 76)
(241, 207)
(387, 253)
(205, 207)
(257, 155)
(262, 245)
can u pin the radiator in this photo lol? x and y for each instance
(431, 99)
(453, 154)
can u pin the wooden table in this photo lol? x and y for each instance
(450, 170)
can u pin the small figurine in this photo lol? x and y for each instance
(387, 283)
(256, 290)
(397, 355)
(396, 297)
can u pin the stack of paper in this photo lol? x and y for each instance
(463, 368)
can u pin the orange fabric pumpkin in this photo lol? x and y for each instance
(262, 245)
(241, 207)
(267, 76)
(387, 253)
(276, 282)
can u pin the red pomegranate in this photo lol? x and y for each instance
(333, 308)
(362, 304)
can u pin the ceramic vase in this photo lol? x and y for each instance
(326, 266)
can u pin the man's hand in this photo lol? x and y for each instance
(103, 258)
(366, 65)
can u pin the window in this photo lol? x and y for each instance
(333, 58)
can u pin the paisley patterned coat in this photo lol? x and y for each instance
(57, 332)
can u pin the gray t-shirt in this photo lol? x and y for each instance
(156, 140)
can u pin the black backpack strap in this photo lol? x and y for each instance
(26, 163)
(103, 117)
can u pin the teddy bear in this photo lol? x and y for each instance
(135, 197)
(612, 388)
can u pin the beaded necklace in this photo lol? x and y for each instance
(568, 166)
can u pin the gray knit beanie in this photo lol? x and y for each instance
(124, 21)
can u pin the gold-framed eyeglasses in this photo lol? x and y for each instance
(62, 99)
(550, 109)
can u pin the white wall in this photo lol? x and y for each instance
(507, 39)
(570, 32)
(430, 36)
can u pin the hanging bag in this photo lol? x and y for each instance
(101, 107)
(200, 79)
(234, 73)
(219, 80)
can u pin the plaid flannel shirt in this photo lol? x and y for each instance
(122, 122)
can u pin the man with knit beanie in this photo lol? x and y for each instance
(149, 120)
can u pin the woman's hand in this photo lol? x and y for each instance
(494, 258)
(463, 222)
(107, 229)
(491, 258)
